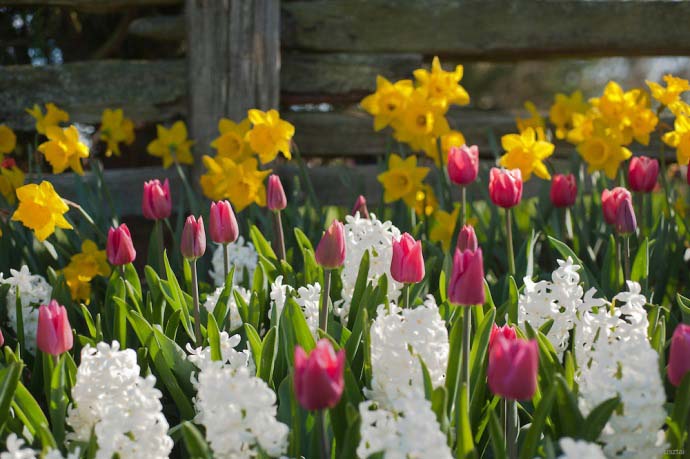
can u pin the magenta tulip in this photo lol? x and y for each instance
(319, 380)
(463, 164)
(361, 207)
(54, 334)
(119, 247)
(275, 195)
(407, 264)
(512, 369)
(678, 361)
(156, 203)
(467, 239)
(466, 286)
(505, 187)
(222, 224)
(626, 222)
(330, 253)
(563, 190)
(610, 201)
(642, 173)
(2, 338)
(506, 331)
(193, 244)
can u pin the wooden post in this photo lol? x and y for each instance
(233, 55)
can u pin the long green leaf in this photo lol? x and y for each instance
(9, 378)
(529, 446)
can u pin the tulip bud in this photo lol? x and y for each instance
(156, 203)
(119, 248)
(8, 163)
(222, 223)
(2, 338)
(463, 164)
(275, 195)
(330, 253)
(466, 286)
(467, 239)
(563, 190)
(512, 369)
(642, 173)
(505, 187)
(610, 200)
(626, 222)
(193, 244)
(407, 264)
(319, 380)
(678, 362)
(54, 334)
(361, 207)
(505, 331)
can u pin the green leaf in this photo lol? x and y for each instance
(58, 401)
(463, 430)
(597, 419)
(268, 353)
(194, 442)
(255, 344)
(263, 247)
(512, 301)
(570, 418)
(27, 409)
(529, 446)
(9, 379)
(176, 297)
(360, 288)
(299, 325)
(679, 413)
(498, 443)
(640, 267)
(214, 338)
(453, 369)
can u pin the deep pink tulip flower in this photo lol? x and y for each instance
(361, 207)
(156, 203)
(563, 190)
(678, 361)
(626, 222)
(407, 264)
(54, 334)
(119, 248)
(512, 369)
(467, 239)
(275, 194)
(463, 164)
(330, 253)
(505, 187)
(642, 174)
(466, 286)
(222, 224)
(506, 331)
(193, 244)
(319, 379)
(610, 200)
(2, 339)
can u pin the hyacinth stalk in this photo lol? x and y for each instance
(279, 241)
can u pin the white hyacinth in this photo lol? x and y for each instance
(579, 449)
(241, 255)
(376, 237)
(233, 311)
(201, 357)
(121, 407)
(307, 298)
(411, 431)
(17, 450)
(398, 340)
(34, 291)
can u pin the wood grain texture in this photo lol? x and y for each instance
(91, 6)
(164, 28)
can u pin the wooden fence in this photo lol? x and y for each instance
(270, 54)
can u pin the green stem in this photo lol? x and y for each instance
(619, 255)
(86, 217)
(323, 311)
(279, 237)
(121, 314)
(305, 177)
(509, 238)
(405, 296)
(226, 268)
(465, 364)
(511, 428)
(626, 256)
(323, 434)
(188, 188)
(161, 245)
(463, 191)
(195, 296)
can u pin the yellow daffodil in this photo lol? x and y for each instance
(63, 149)
(679, 138)
(642, 123)
(7, 140)
(53, 117)
(41, 209)
(603, 150)
(611, 104)
(83, 267)
(442, 87)
(669, 95)
(402, 180)
(269, 135)
(386, 104)
(583, 127)
(535, 121)
(420, 122)
(242, 183)
(525, 152)
(563, 109)
(11, 178)
(426, 202)
(116, 129)
(172, 145)
(444, 227)
(231, 143)
(449, 140)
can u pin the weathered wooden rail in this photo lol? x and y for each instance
(242, 54)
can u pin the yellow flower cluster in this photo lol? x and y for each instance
(116, 129)
(669, 97)
(82, 268)
(11, 178)
(41, 209)
(417, 111)
(8, 141)
(234, 172)
(172, 145)
(52, 117)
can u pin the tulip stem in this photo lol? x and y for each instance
(509, 238)
(463, 191)
(226, 268)
(465, 364)
(195, 296)
(279, 240)
(323, 311)
(626, 256)
(405, 300)
(161, 246)
(510, 428)
(323, 433)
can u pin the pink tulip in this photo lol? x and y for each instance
(330, 253)
(513, 366)
(678, 361)
(467, 239)
(156, 203)
(463, 164)
(193, 244)
(506, 331)
(2, 338)
(563, 190)
(222, 224)
(610, 201)
(626, 222)
(505, 187)
(466, 286)
(319, 380)
(407, 264)
(361, 207)
(119, 248)
(275, 195)
(642, 173)
(54, 334)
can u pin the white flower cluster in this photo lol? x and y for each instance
(308, 298)
(16, 450)
(241, 255)
(237, 409)
(410, 432)
(121, 407)
(201, 357)
(376, 237)
(605, 341)
(233, 311)
(34, 291)
(579, 449)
